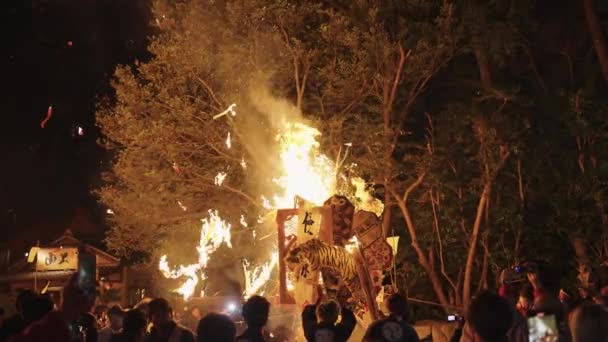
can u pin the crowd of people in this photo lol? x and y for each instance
(529, 306)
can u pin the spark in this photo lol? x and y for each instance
(243, 222)
(352, 245)
(219, 178)
(110, 212)
(230, 110)
(80, 131)
(184, 208)
(176, 167)
(349, 144)
(49, 113)
(243, 163)
(260, 219)
(266, 203)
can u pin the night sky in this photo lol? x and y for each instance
(60, 53)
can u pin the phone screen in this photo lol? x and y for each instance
(451, 318)
(87, 273)
(542, 328)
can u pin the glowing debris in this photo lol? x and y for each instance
(349, 144)
(110, 212)
(260, 219)
(80, 131)
(243, 163)
(176, 167)
(219, 178)
(243, 222)
(364, 199)
(230, 110)
(228, 143)
(70, 43)
(49, 113)
(184, 208)
(266, 203)
(352, 245)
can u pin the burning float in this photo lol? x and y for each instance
(322, 237)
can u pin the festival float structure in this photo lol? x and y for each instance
(336, 247)
(322, 239)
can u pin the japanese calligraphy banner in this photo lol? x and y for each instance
(309, 224)
(55, 259)
(309, 221)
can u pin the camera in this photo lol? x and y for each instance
(526, 267)
(520, 269)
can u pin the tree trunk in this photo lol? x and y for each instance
(422, 258)
(597, 36)
(466, 287)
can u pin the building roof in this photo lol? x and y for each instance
(103, 259)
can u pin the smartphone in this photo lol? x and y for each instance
(542, 328)
(454, 318)
(87, 273)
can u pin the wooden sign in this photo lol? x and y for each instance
(55, 259)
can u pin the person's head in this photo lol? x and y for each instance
(159, 312)
(196, 313)
(216, 327)
(397, 306)
(255, 311)
(490, 317)
(36, 308)
(134, 325)
(23, 299)
(116, 316)
(589, 323)
(75, 301)
(328, 312)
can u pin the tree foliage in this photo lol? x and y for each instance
(482, 125)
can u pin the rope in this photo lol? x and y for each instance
(415, 300)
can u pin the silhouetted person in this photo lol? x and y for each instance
(215, 328)
(255, 312)
(395, 327)
(589, 323)
(319, 322)
(115, 317)
(15, 324)
(165, 329)
(60, 325)
(490, 317)
(133, 328)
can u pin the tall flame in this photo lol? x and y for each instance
(305, 171)
(259, 276)
(214, 232)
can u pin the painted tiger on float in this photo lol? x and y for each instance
(337, 266)
(306, 259)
